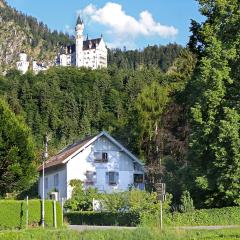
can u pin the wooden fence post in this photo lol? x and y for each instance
(27, 212)
(54, 213)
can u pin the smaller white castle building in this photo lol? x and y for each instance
(23, 64)
(89, 53)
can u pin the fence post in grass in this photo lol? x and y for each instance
(161, 191)
(54, 213)
(62, 209)
(161, 216)
(27, 212)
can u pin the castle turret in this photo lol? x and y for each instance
(79, 42)
(23, 64)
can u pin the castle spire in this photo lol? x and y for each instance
(79, 20)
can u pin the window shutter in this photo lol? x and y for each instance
(107, 177)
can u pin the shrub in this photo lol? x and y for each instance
(103, 218)
(81, 200)
(216, 216)
(186, 202)
(135, 201)
(13, 213)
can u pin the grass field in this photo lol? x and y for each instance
(138, 234)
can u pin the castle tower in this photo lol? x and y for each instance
(79, 42)
(23, 64)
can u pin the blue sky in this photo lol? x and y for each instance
(130, 23)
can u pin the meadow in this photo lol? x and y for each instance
(137, 234)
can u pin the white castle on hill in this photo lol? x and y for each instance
(23, 64)
(89, 53)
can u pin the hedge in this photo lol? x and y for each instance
(215, 216)
(13, 214)
(102, 218)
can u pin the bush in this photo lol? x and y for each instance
(216, 216)
(81, 199)
(103, 218)
(13, 214)
(135, 201)
(186, 202)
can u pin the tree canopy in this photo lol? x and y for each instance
(17, 168)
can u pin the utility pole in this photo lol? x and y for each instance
(45, 156)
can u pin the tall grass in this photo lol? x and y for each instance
(137, 234)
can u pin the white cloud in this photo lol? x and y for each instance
(119, 23)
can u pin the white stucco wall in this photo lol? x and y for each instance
(62, 184)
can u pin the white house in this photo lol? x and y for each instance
(89, 53)
(98, 161)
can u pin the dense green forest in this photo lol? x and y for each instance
(161, 57)
(178, 109)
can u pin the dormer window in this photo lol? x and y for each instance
(101, 157)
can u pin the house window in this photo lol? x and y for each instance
(112, 178)
(138, 178)
(101, 157)
(46, 183)
(56, 180)
(90, 177)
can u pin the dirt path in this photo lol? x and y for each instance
(208, 227)
(81, 228)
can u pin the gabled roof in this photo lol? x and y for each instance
(74, 149)
(91, 44)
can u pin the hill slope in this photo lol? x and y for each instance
(19, 32)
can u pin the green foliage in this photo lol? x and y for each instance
(135, 201)
(122, 234)
(155, 56)
(81, 200)
(17, 168)
(13, 214)
(186, 202)
(103, 218)
(215, 138)
(208, 217)
(71, 103)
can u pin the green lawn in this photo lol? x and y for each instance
(138, 234)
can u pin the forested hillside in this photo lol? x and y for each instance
(22, 33)
(71, 103)
(161, 57)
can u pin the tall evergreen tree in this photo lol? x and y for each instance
(215, 141)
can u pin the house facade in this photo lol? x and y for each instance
(100, 162)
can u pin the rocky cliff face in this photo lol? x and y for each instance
(21, 33)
